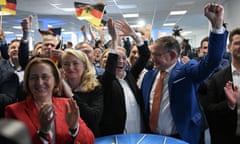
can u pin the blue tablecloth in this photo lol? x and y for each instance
(138, 139)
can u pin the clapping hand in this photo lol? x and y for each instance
(46, 117)
(72, 114)
(231, 94)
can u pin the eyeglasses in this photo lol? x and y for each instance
(160, 54)
(43, 77)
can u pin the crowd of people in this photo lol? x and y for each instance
(126, 85)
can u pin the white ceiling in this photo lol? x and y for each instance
(155, 12)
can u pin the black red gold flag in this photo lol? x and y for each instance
(91, 13)
(10, 7)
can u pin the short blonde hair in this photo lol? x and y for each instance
(105, 53)
(121, 49)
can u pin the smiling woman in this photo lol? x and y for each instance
(123, 107)
(80, 76)
(49, 119)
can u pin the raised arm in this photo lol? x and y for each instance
(214, 12)
(216, 45)
(93, 36)
(143, 49)
(83, 29)
(3, 45)
(112, 32)
(101, 33)
(126, 30)
(23, 52)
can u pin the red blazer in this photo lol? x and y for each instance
(27, 112)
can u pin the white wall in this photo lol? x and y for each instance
(231, 17)
(195, 39)
(232, 13)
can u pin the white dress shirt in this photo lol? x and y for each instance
(236, 77)
(166, 124)
(133, 123)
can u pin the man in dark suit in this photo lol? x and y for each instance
(11, 53)
(221, 111)
(8, 85)
(180, 114)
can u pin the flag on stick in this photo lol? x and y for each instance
(91, 13)
(52, 31)
(10, 7)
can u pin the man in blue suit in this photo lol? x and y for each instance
(180, 113)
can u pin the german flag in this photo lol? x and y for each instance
(3, 2)
(10, 7)
(91, 13)
(51, 31)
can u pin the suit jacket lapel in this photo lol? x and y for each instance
(175, 71)
(228, 74)
(32, 112)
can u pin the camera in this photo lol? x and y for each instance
(176, 30)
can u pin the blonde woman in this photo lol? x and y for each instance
(123, 102)
(85, 87)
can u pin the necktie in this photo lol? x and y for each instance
(156, 102)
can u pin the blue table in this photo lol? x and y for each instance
(138, 139)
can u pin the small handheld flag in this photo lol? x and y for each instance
(51, 31)
(91, 13)
(10, 7)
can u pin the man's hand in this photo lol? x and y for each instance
(26, 24)
(215, 13)
(26, 27)
(185, 59)
(231, 94)
(2, 35)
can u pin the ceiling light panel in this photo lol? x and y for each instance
(182, 12)
(130, 15)
(127, 6)
(169, 24)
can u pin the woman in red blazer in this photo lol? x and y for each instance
(49, 119)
